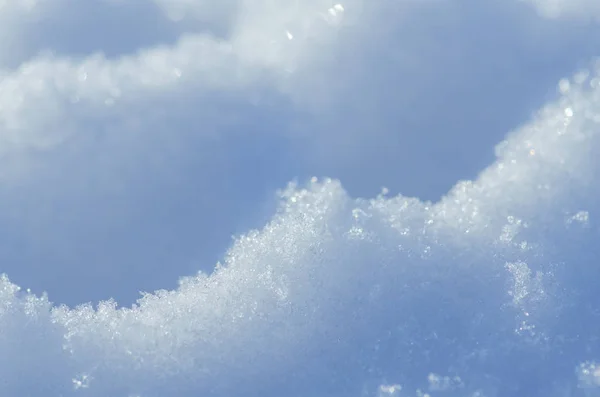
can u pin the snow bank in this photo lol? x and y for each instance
(489, 292)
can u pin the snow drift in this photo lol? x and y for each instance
(492, 287)
(491, 291)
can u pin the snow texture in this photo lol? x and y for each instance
(586, 9)
(490, 291)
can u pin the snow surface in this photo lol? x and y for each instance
(490, 291)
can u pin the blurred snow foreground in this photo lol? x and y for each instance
(491, 291)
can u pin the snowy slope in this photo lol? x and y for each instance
(490, 290)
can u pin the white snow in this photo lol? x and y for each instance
(490, 291)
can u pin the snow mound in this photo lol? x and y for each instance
(491, 291)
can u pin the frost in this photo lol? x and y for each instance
(589, 375)
(389, 390)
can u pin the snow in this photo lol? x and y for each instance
(489, 291)
(578, 9)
